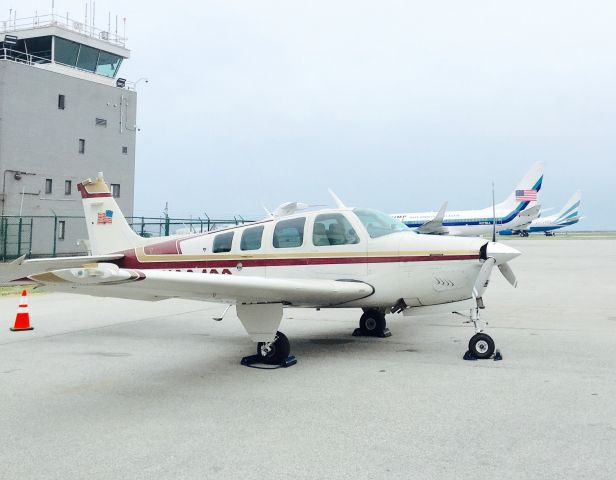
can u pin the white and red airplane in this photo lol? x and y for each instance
(330, 258)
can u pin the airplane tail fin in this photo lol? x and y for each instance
(108, 230)
(525, 191)
(571, 210)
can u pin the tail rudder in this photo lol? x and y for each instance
(108, 230)
(526, 190)
(571, 210)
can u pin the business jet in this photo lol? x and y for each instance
(329, 258)
(517, 211)
(568, 215)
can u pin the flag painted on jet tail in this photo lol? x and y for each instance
(105, 217)
(526, 195)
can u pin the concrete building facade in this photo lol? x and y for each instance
(64, 116)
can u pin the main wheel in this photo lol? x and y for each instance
(481, 345)
(372, 323)
(278, 352)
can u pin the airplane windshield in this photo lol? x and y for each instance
(378, 223)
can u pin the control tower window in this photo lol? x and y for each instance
(87, 58)
(82, 145)
(61, 102)
(66, 52)
(39, 49)
(108, 64)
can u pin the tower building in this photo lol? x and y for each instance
(65, 114)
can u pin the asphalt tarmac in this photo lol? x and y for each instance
(111, 389)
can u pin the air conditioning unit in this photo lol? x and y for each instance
(104, 35)
(78, 26)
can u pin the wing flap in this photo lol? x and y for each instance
(109, 280)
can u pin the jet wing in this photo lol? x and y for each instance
(108, 280)
(435, 226)
(525, 217)
(21, 268)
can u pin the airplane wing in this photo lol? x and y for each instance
(108, 280)
(435, 226)
(21, 268)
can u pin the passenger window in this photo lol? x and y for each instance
(251, 238)
(222, 242)
(289, 233)
(333, 229)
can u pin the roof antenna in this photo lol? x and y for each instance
(269, 214)
(339, 202)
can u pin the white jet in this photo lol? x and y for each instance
(517, 211)
(568, 215)
(329, 258)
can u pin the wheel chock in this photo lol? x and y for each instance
(469, 356)
(358, 333)
(253, 361)
(497, 356)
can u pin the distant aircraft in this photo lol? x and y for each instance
(329, 258)
(517, 211)
(568, 215)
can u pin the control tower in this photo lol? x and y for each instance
(64, 116)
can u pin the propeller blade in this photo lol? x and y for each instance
(505, 269)
(481, 283)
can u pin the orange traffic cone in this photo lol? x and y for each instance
(22, 320)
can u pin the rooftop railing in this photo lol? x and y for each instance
(54, 20)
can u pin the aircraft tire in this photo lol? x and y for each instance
(481, 345)
(279, 353)
(372, 323)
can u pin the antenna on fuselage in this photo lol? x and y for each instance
(339, 202)
(269, 214)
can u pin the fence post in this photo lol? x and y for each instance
(19, 237)
(5, 226)
(166, 225)
(55, 234)
(31, 234)
(142, 226)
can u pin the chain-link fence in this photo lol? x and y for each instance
(50, 236)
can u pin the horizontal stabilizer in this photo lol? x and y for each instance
(22, 268)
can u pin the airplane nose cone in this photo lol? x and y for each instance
(502, 253)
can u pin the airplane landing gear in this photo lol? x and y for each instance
(276, 352)
(372, 324)
(481, 345)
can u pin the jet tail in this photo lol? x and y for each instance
(108, 230)
(531, 182)
(571, 210)
(435, 226)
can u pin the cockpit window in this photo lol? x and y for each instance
(378, 223)
(333, 229)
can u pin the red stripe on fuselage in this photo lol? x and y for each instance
(131, 261)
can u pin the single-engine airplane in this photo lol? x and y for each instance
(329, 258)
(517, 211)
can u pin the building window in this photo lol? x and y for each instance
(125, 150)
(100, 122)
(61, 101)
(61, 229)
(48, 186)
(115, 190)
(82, 145)
(67, 187)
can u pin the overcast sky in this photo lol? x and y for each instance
(396, 105)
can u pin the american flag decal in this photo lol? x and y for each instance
(526, 195)
(105, 217)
